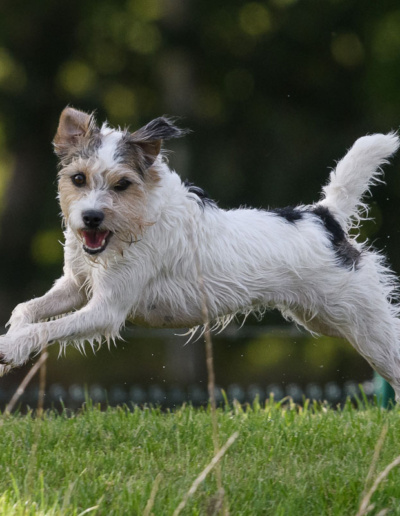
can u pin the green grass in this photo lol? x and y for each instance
(286, 461)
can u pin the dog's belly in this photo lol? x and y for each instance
(164, 316)
(317, 323)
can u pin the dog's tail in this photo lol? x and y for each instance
(353, 176)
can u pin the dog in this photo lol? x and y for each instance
(141, 245)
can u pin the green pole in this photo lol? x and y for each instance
(383, 391)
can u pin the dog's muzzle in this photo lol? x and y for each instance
(94, 238)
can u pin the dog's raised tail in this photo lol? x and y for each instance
(355, 174)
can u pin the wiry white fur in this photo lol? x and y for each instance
(111, 137)
(249, 260)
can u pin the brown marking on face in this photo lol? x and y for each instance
(68, 191)
(112, 177)
(124, 210)
(126, 219)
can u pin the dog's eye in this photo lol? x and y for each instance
(79, 179)
(122, 185)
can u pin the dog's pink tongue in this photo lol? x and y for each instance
(94, 239)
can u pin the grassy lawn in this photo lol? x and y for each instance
(285, 461)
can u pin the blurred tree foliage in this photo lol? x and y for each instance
(275, 91)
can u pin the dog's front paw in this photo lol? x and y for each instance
(20, 317)
(16, 346)
(8, 344)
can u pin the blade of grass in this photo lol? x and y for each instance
(90, 509)
(365, 505)
(150, 503)
(377, 452)
(215, 460)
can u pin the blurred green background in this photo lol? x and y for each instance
(275, 91)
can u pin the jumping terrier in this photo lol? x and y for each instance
(138, 240)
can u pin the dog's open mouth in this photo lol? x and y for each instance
(95, 240)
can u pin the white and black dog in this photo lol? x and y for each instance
(137, 240)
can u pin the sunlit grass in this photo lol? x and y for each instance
(289, 460)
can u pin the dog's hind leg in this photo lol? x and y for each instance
(375, 334)
(361, 311)
(373, 325)
(377, 340)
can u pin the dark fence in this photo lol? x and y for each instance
(75, 395)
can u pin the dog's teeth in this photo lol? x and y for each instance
(84, 240)
(103, 242)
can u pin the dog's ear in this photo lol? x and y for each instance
(73, 126)
(150, 137)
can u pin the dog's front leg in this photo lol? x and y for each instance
(102, 316)
(66, 295)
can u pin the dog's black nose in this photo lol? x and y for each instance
(92, 218)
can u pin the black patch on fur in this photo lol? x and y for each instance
(289, 213)
(204, 200)
(347, 255)
(130, 154)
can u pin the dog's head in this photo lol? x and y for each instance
(105, 176)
